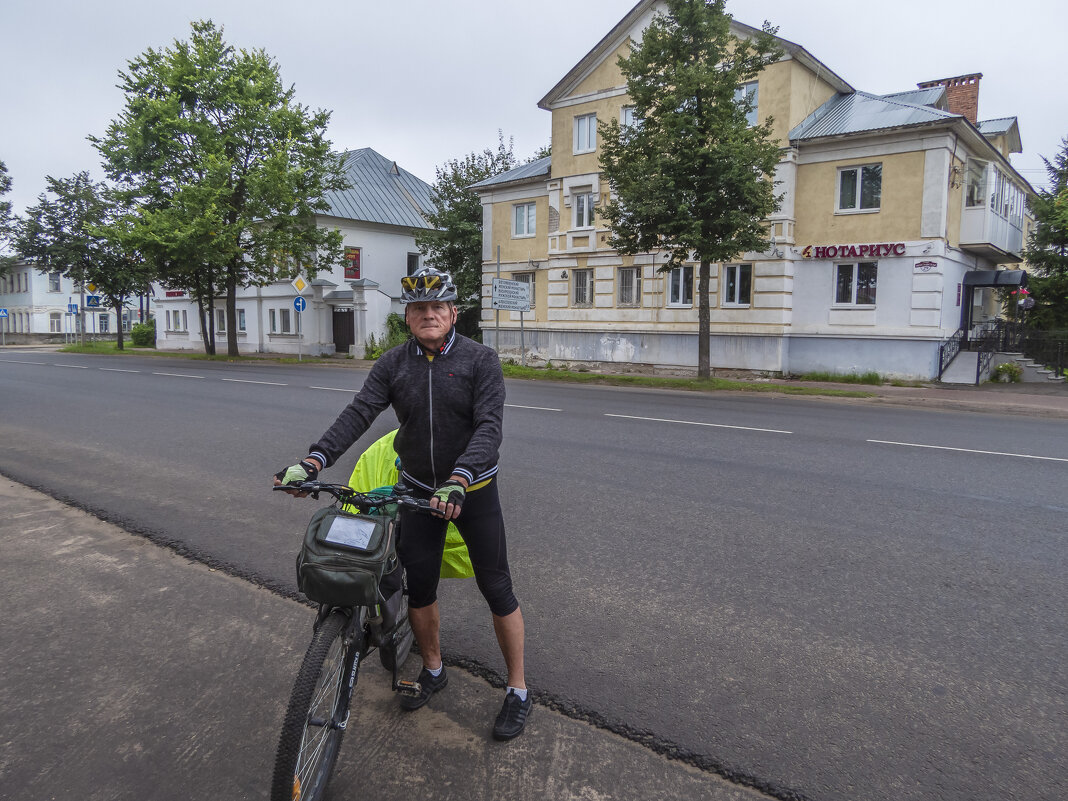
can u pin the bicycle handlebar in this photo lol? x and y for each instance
(361, 500)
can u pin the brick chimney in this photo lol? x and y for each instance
(962, 94)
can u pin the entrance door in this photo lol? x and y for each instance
(344, 330)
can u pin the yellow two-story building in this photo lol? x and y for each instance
(898, 211)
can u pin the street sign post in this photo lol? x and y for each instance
(513, 296)
(300, 304)
(3, 327)
(92, 301)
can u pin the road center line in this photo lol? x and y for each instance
(247, 381)
(334, 389)
(118, 370)
(75, 366)
(179, 375)
(968, 450)
(19, 361)
(538, 408)
(694, 423)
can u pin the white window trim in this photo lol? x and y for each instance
(733, 304)
(852, 304)
(754, 88)
(838, 189)
(588, 271)
(515, 209)
(531, 279)
(680, 304)
(637, 302)
(579, 199)
(590, 144)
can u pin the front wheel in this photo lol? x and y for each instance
(316, 716)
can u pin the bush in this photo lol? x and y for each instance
(1008, 372)
(143, 335)
(396, 334)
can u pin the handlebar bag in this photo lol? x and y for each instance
(344, 557)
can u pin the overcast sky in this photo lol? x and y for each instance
(423, 81)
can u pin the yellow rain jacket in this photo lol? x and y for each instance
(377, 467)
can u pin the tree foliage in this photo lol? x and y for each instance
(226, 169)
(456, 243)
(691, 178)
(1047, 248)
(7, 223)
(72, 230)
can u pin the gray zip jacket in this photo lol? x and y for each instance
(450, 410)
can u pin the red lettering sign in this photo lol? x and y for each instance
(875, 250)
(352, 264)
(175, 293)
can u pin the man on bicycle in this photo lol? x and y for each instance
(448, 394)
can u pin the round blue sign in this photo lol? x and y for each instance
(299, 303)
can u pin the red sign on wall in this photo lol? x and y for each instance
(175, 293)
(352, 264)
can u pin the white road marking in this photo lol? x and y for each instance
(20, 361)
(247, 381)
(969, 450)
(118, 370)
(334, 389)
(75, 366)
(539, 408)
(695, 423)
(179, 375)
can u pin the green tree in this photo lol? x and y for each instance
(455, 244)
(7, 223)
(72, 233)
(692, 177)
(227, 170)
(1047, 248)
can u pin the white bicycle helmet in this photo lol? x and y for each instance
(427, 284)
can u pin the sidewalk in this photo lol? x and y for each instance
(131, 673)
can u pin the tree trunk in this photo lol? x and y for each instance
(703, 317)
(231, 310)
(209, 339)
(120, 302)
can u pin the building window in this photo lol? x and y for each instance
(272, 315)
(583, 282)
(285, 321)
(105, 323)
(626, 117)
(860, 188)
(353, 267)
(185, 320)
(220, 320)
(584, 205)
(680, 286)
(241, 320)
(53, 282)
(524, 219)
(528, 279)
(738, 284)
(55, 323)
(413, 263)
(975, 184)
(630, 286)
(586, 133)
(854, 284)
(748, 92)
(169, 321)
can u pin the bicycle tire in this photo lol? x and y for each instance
(309, 745)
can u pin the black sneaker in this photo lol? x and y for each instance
(513, 717)
(428, 685)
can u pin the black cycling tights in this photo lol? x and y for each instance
(481, 524)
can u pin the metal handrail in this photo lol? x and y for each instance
(948, 351)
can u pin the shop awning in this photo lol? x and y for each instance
(997, 278)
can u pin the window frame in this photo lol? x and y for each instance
(730, 299)
(636, 288)
(220, 321)
(530, 220)
(528, 277)
(585, 134)
(855, 284)
(55, 322)
(858, 169)
(55, 281)
(587, 201)
(750, 90)
(685, 301)
(587, 274)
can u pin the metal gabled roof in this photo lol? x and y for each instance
(533, 169)
(995, 127)
(933, 96)
(381, 192)
(861, 111)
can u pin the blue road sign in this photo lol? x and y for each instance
(3, 313)
(299, 303)
(72, 308)
(92, 301)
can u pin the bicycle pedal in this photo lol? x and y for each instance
(410, 688)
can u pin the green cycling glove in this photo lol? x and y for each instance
(298, 473)
(452, 491)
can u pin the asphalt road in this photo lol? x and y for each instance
(835, 600)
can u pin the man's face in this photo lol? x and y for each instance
(430, 321)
